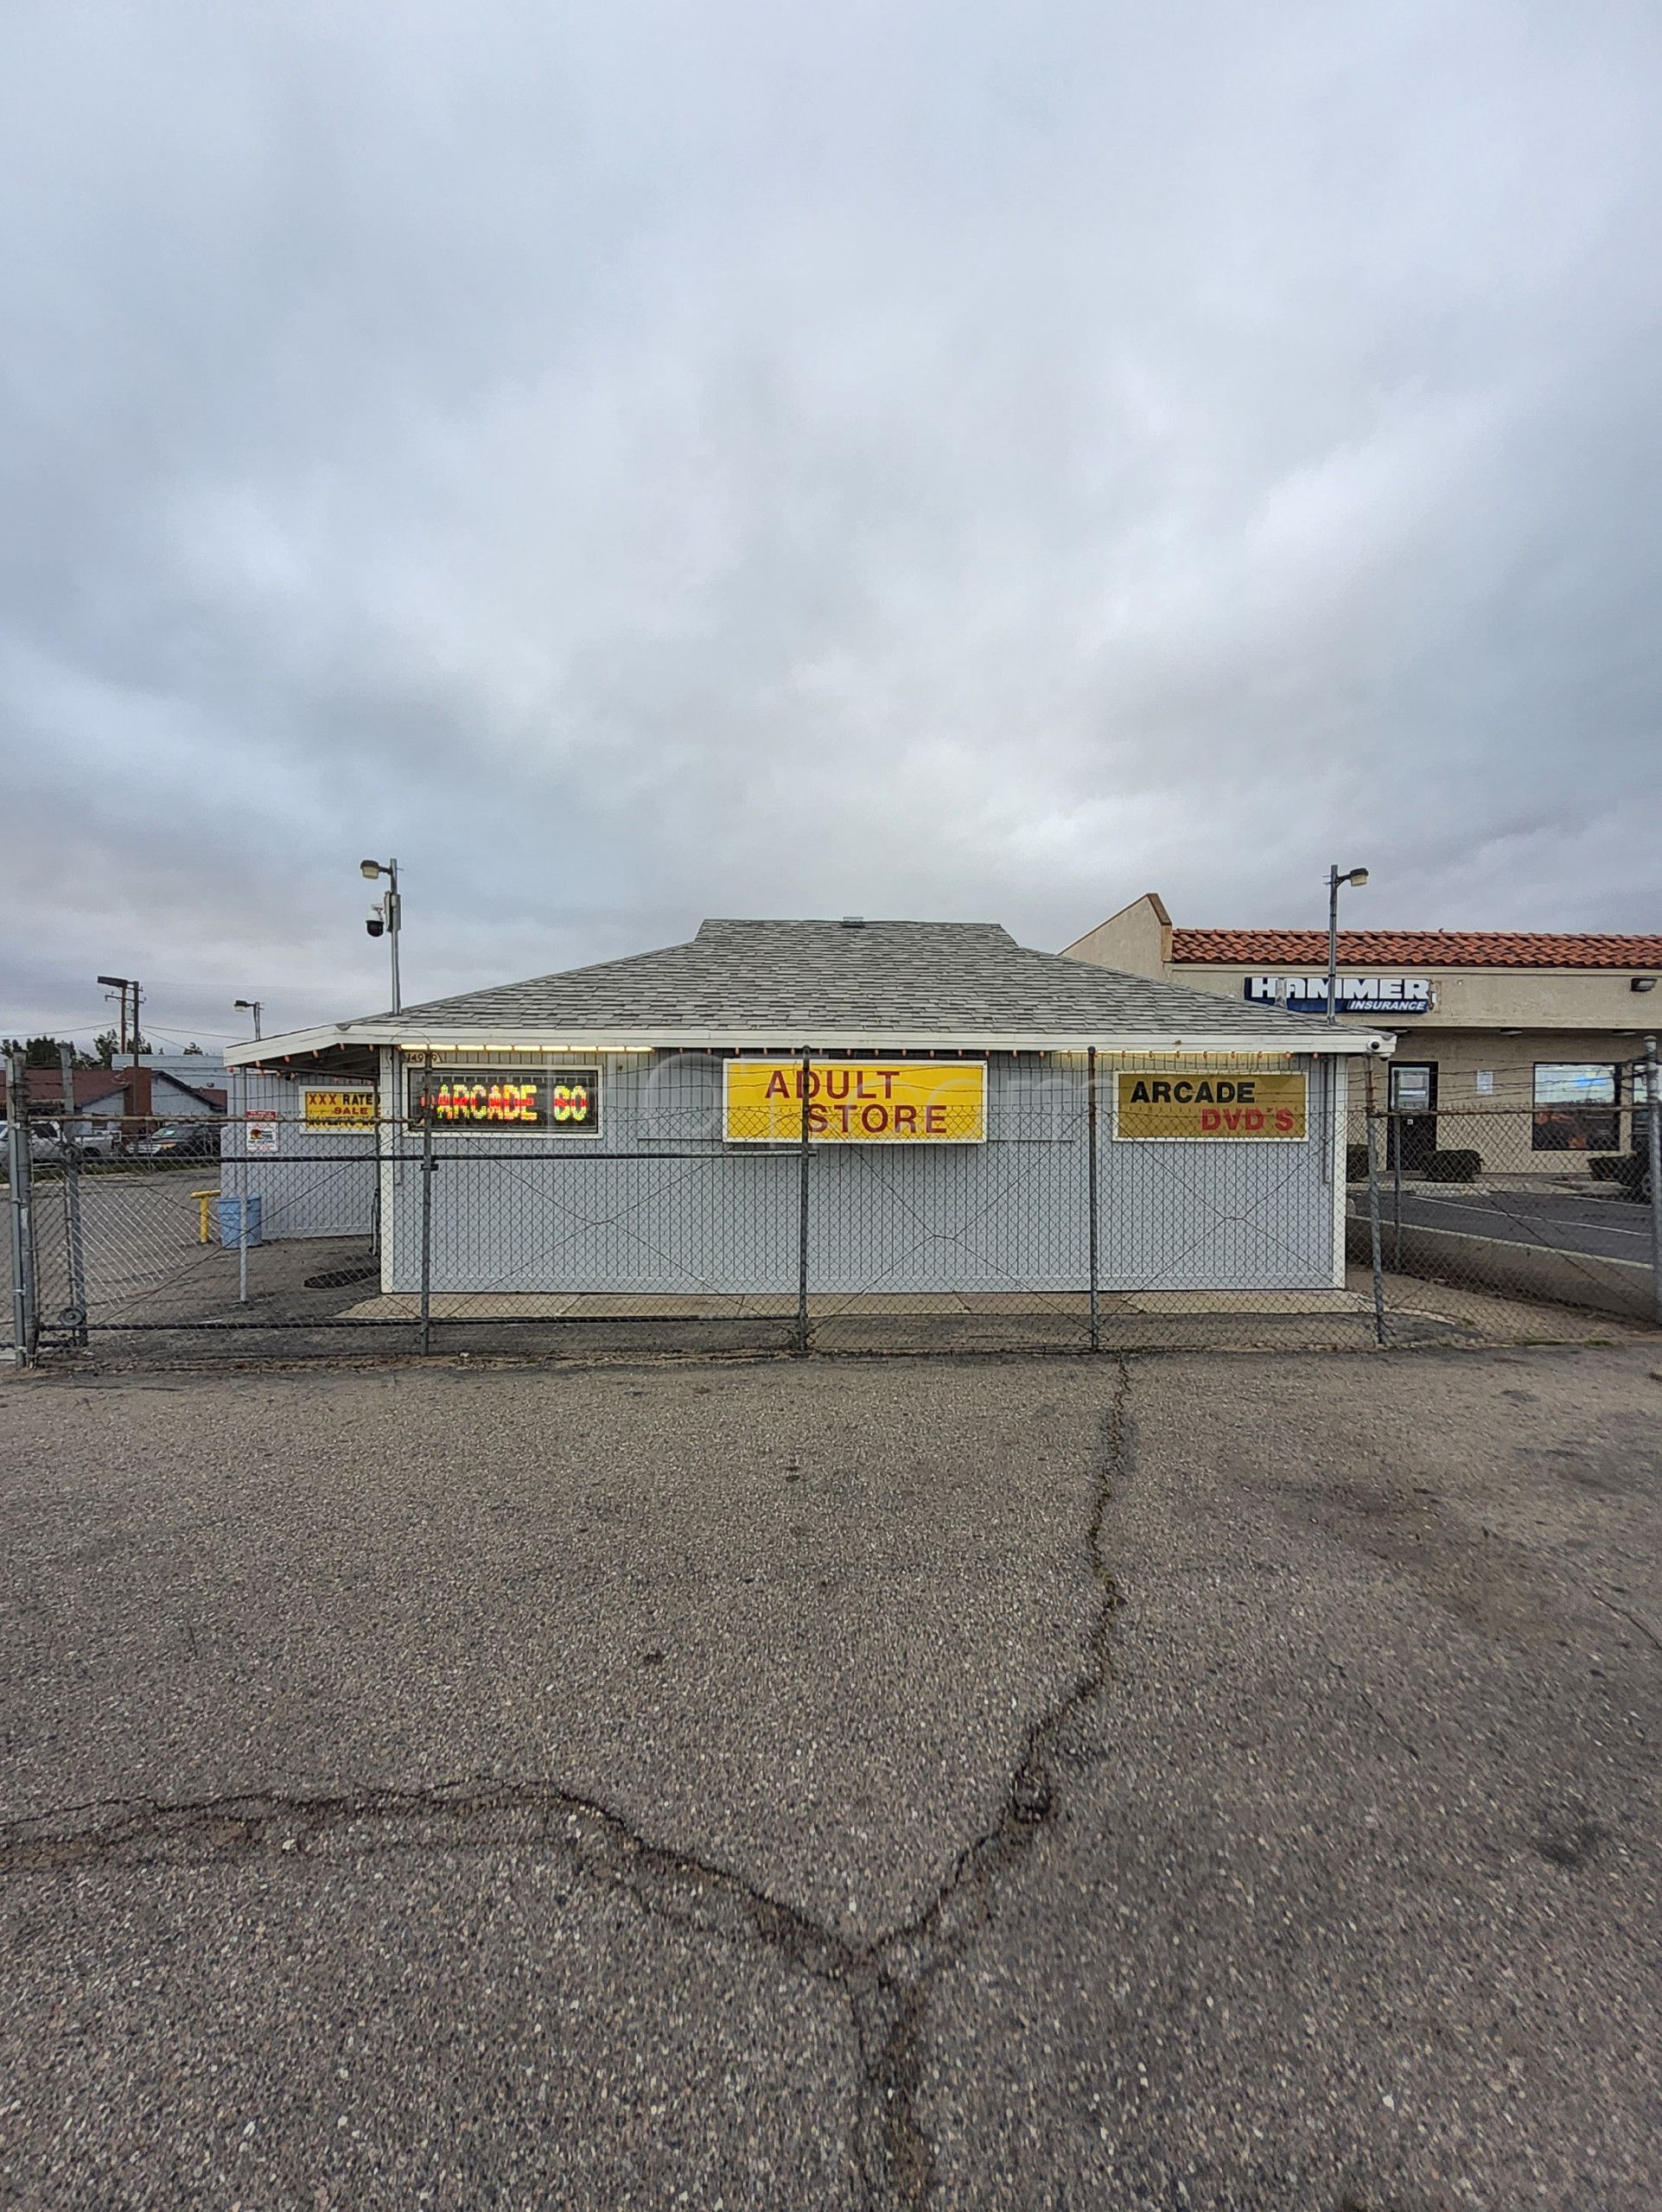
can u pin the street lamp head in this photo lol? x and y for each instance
(117, 982)
(371, 869)
(1358, 876)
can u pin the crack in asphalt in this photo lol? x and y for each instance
(1622, 1613)
(887, 1983)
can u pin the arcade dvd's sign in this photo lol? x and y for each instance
(562, 1101)
(1215, 1108)
(855, 1101)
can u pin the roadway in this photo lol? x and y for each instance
(1600, 1223)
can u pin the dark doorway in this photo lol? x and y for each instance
(1413, 1129)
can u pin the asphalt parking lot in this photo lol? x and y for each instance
(1198, 1781)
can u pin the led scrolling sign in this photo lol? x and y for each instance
(563, 1102)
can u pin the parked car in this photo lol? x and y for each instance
(93, 1142)
(46, 1144)
(197, 1139)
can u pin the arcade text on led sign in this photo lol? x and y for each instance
(565, 1102)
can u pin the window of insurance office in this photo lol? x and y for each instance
(1575, 1104)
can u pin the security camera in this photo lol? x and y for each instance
(376, 924)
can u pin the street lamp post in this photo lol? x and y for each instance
(385, 914)
(250, 1006)
(1336, 878)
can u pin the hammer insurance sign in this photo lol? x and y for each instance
(856, 1102)
(1215, 1108)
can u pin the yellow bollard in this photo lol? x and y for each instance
(204, 1201)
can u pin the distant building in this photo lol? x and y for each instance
(145, 1092)
(183, 1084)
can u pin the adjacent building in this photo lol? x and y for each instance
(1521, 1046)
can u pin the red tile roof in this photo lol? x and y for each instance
(1418, 949)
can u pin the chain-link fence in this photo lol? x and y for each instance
(1507, 1198)
(1048, 1218)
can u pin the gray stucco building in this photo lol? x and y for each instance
(982, 1117)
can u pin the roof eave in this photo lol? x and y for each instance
(254, 1051)
(629, 1037)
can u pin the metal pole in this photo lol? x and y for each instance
(75, 1313)
(1333, 940)
(375, 1198)
(1394, 1140)
(1653, 1147)
(394, 915)
(1373, 1212)
(1091, 1178)
(24, 1320)
(426, 1204)
(242, 1206)
(807, 1082)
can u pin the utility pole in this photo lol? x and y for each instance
(123, 984)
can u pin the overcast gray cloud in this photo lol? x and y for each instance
(648, 462)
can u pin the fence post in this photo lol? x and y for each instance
(426, 1204)
(25, 1321)
(75, 1315)
(802, 1214)
(1394, 1147)
(1653, 1149)
(1373, 1211)
(1091, 1179)
(244, 1178)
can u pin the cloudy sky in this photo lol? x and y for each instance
(976, 460)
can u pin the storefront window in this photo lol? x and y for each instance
(1575, 1107)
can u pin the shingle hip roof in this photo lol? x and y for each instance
(808, 979)
(1419, 948)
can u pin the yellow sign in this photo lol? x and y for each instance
(856, 1102)
(340, 1109)
(1227, 1107)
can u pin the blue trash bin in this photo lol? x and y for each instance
(230, 1213)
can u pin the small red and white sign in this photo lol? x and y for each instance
(261, 1130)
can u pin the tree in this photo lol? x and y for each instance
(107, 1044)
(197, 1050)
(47, 1052)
